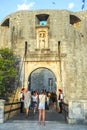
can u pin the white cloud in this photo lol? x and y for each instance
(25, 6)
(71, 5)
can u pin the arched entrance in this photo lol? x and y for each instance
(42, 75)
(42, 78)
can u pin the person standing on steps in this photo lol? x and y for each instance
(22, 100)
(27, 101)
(41, 107)
(60, 100)
(34, 101)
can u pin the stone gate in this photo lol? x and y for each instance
(55, 40)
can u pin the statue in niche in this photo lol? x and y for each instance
(42, 38)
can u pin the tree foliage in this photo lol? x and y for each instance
(8, 71)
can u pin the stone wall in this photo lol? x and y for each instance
(77, 111)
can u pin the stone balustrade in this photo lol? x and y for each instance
(2, 102)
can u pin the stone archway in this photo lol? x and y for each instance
(42, 78)
(52, 67)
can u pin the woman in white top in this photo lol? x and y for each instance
(34, 101)
(41, 107)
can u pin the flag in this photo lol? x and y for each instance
(83, 4)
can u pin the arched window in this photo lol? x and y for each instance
(42, 19)
(5, 23)
(75, 21)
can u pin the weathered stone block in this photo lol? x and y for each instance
(77, 111)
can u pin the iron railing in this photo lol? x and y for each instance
(11, 109)
(65, 110)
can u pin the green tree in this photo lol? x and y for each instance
(8, 71)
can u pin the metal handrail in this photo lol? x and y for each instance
(13, 109)
(65, 110)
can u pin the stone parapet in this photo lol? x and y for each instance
(2, 102)
(77, 112)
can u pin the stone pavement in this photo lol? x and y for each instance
(54, 121)
(33, 125)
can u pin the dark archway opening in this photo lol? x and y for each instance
(42, 78)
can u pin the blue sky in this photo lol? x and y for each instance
(9, 6)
